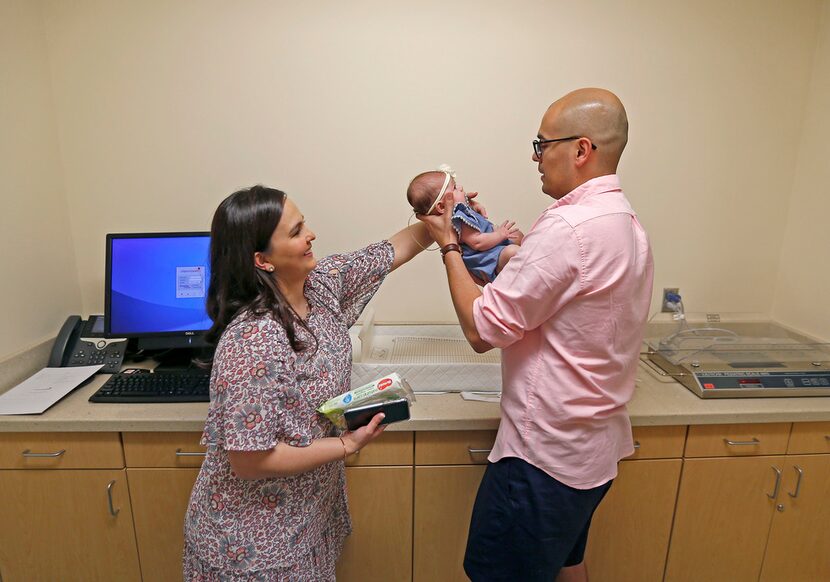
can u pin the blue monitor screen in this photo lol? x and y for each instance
(157, 284)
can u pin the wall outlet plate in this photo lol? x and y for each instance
(666, 290)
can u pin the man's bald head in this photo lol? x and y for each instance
(595, 113)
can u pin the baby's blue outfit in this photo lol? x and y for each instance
(482, 264)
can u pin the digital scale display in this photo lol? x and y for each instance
(762, 380)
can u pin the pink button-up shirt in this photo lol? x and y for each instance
(569, 311)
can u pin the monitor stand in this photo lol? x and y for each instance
(182, 359)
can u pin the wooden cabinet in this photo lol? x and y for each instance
(754, 517)
(725, 502)
(809, 437)
(658, 442)
(380, 547)
(164, 466)
(630, 530)
(800, 534)
(444, 497)
(391, 448)
(60, 523)
(179, 450)
(629, 536)
(463, 447)
(724, 510)
(379, 487)
(61, 450)
(737, 440)
(160, 499)
(161, 469)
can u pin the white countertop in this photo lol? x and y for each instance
(656, 402)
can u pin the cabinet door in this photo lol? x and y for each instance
(630, 531)
(159, 498)
(444, 498)
(57, 525)
(800, 535)
(722, 519)
(380, 547)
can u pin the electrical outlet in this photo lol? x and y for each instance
(666, 291)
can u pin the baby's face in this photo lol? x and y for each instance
(458, 196)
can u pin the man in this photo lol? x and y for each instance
(568, 311)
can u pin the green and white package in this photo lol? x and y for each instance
(391, 387)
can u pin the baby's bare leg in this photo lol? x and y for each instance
(505, 256)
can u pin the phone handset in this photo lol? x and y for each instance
(82, 343)
(67, 336)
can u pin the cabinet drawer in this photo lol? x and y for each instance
(658, 442)
(468, 447)
(737, 440)
(390, 448)
(810, 437)
(163, 449)
(60, 450)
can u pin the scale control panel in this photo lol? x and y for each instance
(763, 380)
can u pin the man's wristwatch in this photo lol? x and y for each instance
(448, 248)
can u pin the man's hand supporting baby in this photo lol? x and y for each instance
(463, 288)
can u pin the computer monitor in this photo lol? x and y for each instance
(156, 286)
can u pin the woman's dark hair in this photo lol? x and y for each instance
(243, 225)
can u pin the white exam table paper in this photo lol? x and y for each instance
(481, 396)
(39, 392)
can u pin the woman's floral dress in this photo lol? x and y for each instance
(263, 393)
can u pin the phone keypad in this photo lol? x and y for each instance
(91, 356)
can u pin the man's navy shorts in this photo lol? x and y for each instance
(526, 525)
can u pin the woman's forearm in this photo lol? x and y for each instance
(409, 242)
(285, 460)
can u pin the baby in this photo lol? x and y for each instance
(484, 248)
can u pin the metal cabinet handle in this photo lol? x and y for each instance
(636, 444)
(478, 451)
(754, 441)
(181, 453)
(774, 493)
(113, 511)
(29, 454)
(800, 472)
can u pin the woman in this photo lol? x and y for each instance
(270, 501)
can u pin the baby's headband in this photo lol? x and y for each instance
(449, 174)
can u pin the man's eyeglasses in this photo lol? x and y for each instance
(538, 143)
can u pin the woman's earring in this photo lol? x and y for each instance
(270, 268)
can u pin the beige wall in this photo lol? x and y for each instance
(804, 276)
(38, 274)
(163, 108)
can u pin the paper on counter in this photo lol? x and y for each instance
(481, 396)
(39, 392)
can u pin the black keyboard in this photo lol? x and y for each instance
(184, 386)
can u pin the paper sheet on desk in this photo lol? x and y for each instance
(39, 392)
(482, 396)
